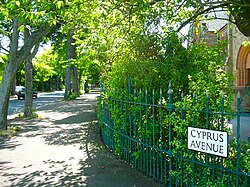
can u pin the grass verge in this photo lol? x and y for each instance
(10, 132)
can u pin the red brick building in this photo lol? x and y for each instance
(238, 60)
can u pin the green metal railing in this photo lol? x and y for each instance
(150, 133)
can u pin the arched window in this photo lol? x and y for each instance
(243, 67)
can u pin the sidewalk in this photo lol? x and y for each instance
(63, 148)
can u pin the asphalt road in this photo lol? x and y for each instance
(16, 106)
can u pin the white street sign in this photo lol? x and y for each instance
(208, 141)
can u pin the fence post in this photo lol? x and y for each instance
(193, 154)
(130, 99)
(208, 127)
(222, 128)
(170, 100)
(101, 113)
(170, 109)
(238, 138)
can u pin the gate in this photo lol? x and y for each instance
(150, 132)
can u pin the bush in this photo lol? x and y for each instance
(199, 83)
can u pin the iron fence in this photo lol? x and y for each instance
(150, 132)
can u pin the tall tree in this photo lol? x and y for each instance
(29, 87)
(29, 78)
(40, 18)
(71, 79)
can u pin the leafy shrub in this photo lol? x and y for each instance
(136, 105)
(150, 62)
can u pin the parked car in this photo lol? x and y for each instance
(18, 88)
(21, 93)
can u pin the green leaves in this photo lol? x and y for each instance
(59, 4)
(44, 67)
(21, 28)
(18, 3)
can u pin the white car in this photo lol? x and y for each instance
(18, 88)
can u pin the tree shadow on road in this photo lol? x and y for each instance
(30, 127)
(8, 144)
(97, 167)
(78, 118)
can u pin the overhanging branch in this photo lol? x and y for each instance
(228, 3)
(35, 50)
(198, 13)
(33, 40)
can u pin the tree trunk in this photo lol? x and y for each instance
(16, 57)
(8, 76)
(76, 81)
(57, 83)
(29, 77)
(71, 54)
(29, 88)
(80, 80)
(68, 84)
(13, 89)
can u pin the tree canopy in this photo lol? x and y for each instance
(24, 24)
(104, 32)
